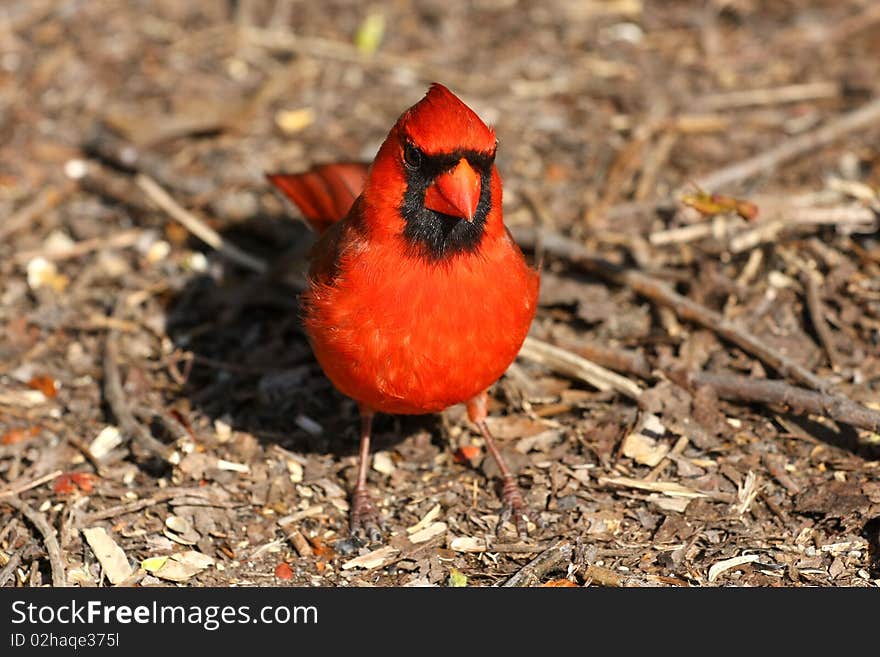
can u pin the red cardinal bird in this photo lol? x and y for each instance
(418, 297)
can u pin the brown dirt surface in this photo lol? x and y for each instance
(158, 390)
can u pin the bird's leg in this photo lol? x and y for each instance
(364, 518)
(513, 504)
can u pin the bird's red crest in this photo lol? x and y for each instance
(442, 123)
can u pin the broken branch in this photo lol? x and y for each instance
(746, 389)
(687, 309)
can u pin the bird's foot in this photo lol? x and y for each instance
(515, 508)
(364, 518)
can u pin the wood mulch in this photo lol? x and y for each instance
(698, 403)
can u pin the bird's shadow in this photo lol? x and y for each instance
(246, 359)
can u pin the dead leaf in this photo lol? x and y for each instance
(321, 549)
(72, 482)
(109, 554)
(178, 567)
(457, 578)
(714, 204)
(563, 583)
(45, 384)
(283, 571)
(467, 455)
(17, 435)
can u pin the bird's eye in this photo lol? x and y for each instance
(412, 156)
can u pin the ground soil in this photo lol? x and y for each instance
(609, 115)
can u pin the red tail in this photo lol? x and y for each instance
(325, 193)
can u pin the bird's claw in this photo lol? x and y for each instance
(364, 520)
(515, 508)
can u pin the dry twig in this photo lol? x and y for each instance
(548, 560)
(118, 402)
(571, 364)
(685, 308)
(747, 389)
(792, 148)
(614, 358)
(44, 202)
(39, 481)
(792, 93)
(106, 145)
(9, 569)
(810, 281)
(53, 550)
(120, 240)
(196, 226)
(137, 505)
(855, 218)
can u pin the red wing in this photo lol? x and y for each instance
(325, 193)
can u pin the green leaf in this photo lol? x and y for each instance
(369, 35)
(457, 578)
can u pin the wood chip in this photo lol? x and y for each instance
(374, 559)
(105, 442)
(296, 471)
(300, 544)
(676, 504)
(426, 520)
(728, 564)
(109, 554)
(80, 577)
(332, 489)
(602, 576)
(24, 398)
(468, 544)
(845, 546)
(222, 464)
(382, 463)
(642, 446)
(428, 532)
(223, 430)
(314, 510)
(666, 487)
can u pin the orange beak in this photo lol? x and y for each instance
(455, 192)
